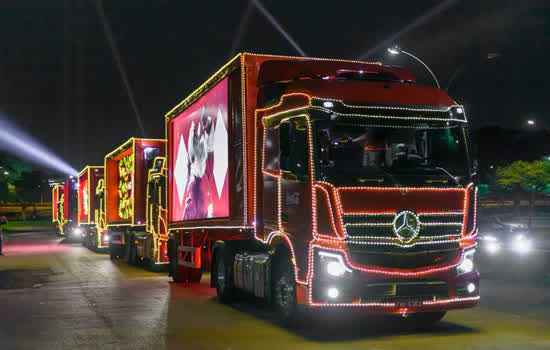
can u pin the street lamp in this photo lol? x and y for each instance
(396, 51)
(461, 69)
(532, 123)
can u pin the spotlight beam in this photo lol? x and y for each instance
(116, 55)
(277, 26)
(390, 40)
(22, 145)
(240, 29)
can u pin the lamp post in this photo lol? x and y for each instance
(396, 51)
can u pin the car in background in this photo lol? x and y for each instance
(497, 237)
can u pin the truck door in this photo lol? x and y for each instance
(295, 185)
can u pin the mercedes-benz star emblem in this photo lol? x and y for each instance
(406, 226)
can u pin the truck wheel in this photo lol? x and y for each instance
(176, 271)
(284, 290)
(423, 320)
(115, 252)
(129, 257)
(224, 286)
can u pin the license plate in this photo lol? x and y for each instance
(408, 303)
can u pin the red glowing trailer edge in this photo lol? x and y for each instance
(323, 183)
(90, 186)
(65, 207)
(57, 208)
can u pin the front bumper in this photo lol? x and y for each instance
(443, 289)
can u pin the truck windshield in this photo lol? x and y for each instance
(394, 155)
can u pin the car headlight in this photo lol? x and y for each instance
(333, 264)
(106, 238)
(491, 244)
(492, 247)
(522, 244)
(467, 264)
(77, 231)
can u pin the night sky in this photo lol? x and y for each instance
(169, 47)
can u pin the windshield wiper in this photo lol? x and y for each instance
(448, 174)
(395, 182)
(379, 180)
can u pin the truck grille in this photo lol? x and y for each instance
(394, 257)
(402, 290)
(381, 225)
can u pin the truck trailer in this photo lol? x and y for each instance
(65, 209)
(90, 180)
(323, 184)
(135, 220)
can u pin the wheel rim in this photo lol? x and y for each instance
(284, 294)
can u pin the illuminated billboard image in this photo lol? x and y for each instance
(125, 189)
(84, 199)
(199, 186)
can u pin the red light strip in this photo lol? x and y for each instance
(382, 271)
(244, 138)
(393, 305)
(268, 241)
(331, 216)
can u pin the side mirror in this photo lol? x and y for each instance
(475, 167)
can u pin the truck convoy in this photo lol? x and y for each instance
(90, 180)
(134, 217)
(323, 183)
(311, 183)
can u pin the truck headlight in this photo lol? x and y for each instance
(106, 238)
(467, 263)
(333, 264)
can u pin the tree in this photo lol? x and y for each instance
(531, 177)
(27, 191)
(11, 171)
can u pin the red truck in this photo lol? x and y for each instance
(90, 182)
(65, 209)
(323, 184)
(135, 225)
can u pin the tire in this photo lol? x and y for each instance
(284, 291)
(115, 252)
(225, 287)
(130, 256)
(112, 254)
(175, 271)
(93, 242)
(423, 320)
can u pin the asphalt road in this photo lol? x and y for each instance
(55, 295)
